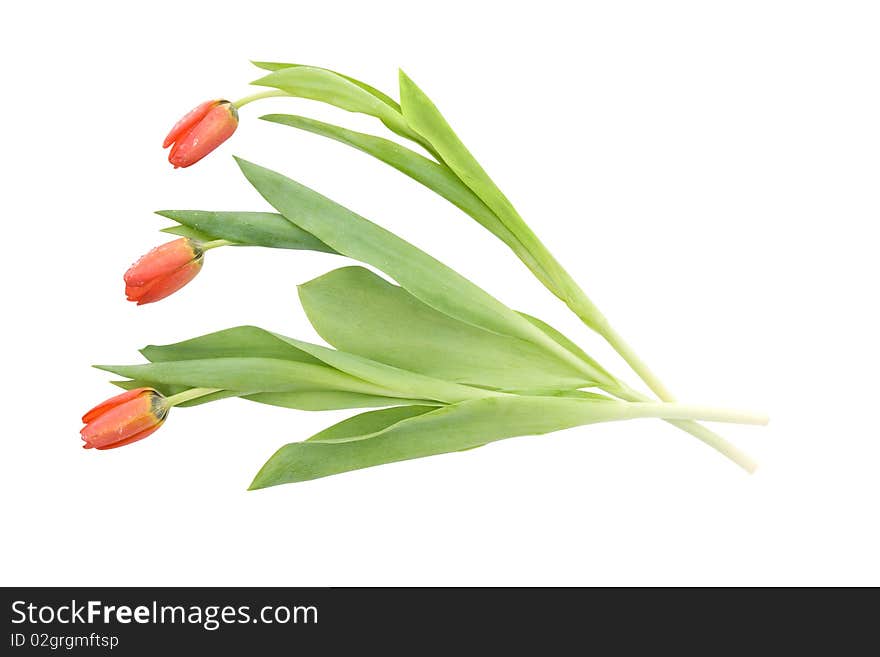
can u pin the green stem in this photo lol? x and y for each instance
(187, 395)
(717, 443)
(675, 411)
(588, 313)
(638, 366)
(213, 244)
(581, 305)
(241, 102)
(576, 299)
(700, 432)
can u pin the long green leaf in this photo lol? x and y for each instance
(564, 342)
(303, 401)
(423, 276)
(249, 375)
(328, 87)
(368, 424)
(248, 228)
(451, 428)
(249, 341)
(433, 175)
(406, 383)
(418, 167)
(331, 401)
(421, 113)
(277, 66)
(258, 343)
(424, 117)
(358, 312)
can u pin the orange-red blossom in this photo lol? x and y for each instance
(201, 131)
(124, 419)
(163, 271)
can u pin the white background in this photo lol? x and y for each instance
(708, 171)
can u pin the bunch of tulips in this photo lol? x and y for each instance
(444, 365)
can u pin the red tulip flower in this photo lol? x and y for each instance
(163, 271)
(201, 131)
(124, 419)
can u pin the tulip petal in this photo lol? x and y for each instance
(164, 286)
(215, 127)
(138, 436)
(189, 120)
(161, 261)
(126, 420)
(113, 401)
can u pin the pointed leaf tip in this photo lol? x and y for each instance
(265, 81)
(406, 81)
(272, 66)
(255, 485)
(243, 163)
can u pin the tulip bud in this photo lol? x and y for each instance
(201, 131)
(123, 419)
(163, 271)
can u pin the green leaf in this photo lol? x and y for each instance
(426, 278)
(272, 66)
(406, 383)
(568, 344)
(434, 176)
(451, 428)
(186, 231)
(328, 87)
(250, 341)
(303, 401)
(249, 228)
(575, 394)
(426, 119)
(358, 312)
(331, 401)
(249, 375)
(418, 167)
(367, 424)
(277, 66)
(258, 343)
